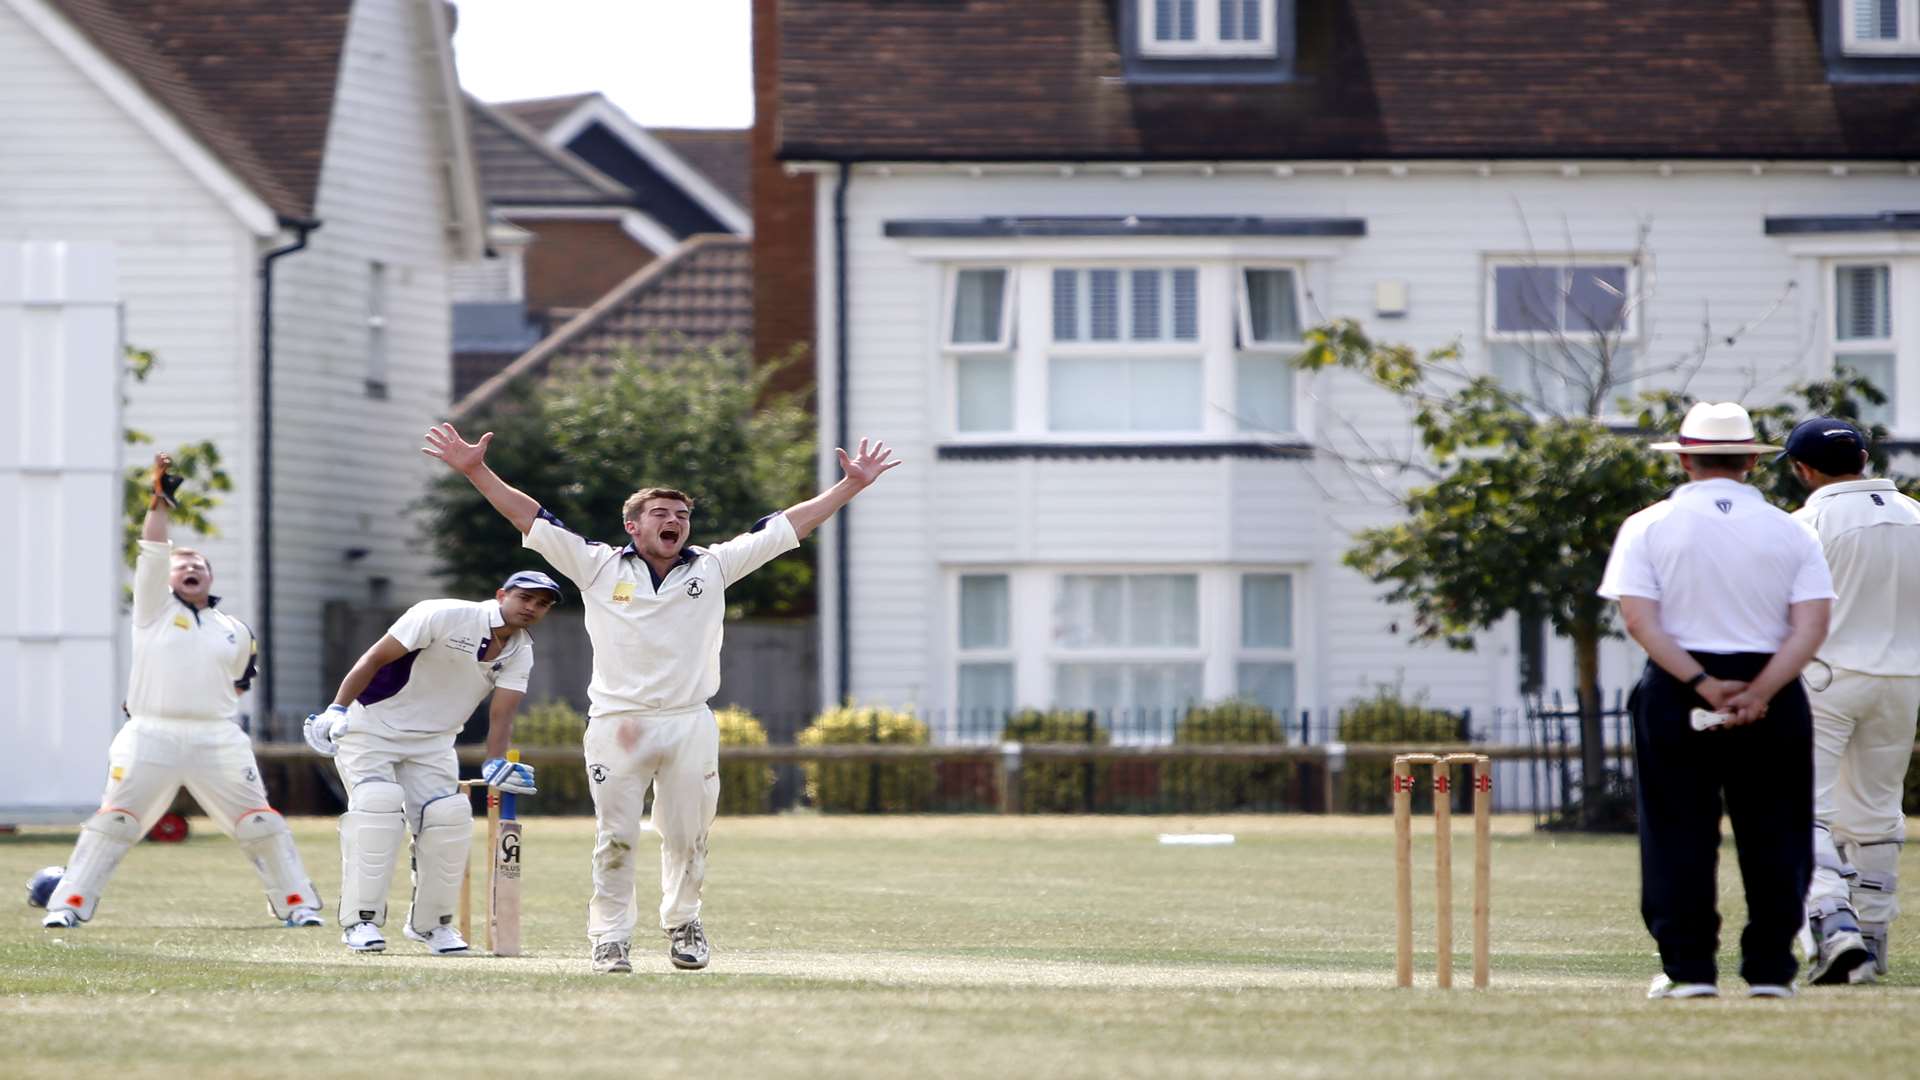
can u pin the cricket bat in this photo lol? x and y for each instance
(503, 877)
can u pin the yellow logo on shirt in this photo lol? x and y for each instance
(119, 773)
(181, 622)
(623, 592)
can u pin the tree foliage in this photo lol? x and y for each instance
(197, 463)
(704, 422)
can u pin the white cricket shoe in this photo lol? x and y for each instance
(304, 916)
(363, 937)
(64, 919)
(610, 958)
(687, 946)
(1842, 952)
(1769, 990)
(440, 941)
(1665, 988)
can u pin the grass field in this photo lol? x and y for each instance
(927, 947)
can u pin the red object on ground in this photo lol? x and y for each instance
(170, 829)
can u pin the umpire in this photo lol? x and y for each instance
(1729, 597)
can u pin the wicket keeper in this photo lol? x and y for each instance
(655, 610)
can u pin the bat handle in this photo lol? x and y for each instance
(509, 803)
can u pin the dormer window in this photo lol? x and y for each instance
(1187, 29)
(1881, 27)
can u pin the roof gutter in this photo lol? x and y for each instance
(264, 635)
(843, 535)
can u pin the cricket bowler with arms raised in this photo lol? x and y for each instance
(390, 731)
(191, 662)
(654, 612)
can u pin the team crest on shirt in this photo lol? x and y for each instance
(623, 592)
(1725, 506)
(693, 587)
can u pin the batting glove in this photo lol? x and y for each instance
(510, 776)
(323, 730)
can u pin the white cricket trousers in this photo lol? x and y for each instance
(1863, 728)
(678, 752)
(152, 759)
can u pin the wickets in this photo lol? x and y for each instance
(1442, 863)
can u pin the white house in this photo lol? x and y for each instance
(217, 144)
(1065, 253)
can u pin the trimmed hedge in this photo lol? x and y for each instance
(1386, 718)
(548, 724)
(1055, 787)
(858, 786)
(745, 787)
(1204, 787)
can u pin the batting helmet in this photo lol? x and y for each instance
(40, 886)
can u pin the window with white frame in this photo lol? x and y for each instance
(978, 337)
(1269, 304)
(1863, 332)
(1881, 27)
(1265, 671)
(1126, 350)
(376, 382)
(1207, 28)
(1127, 646)
(985, 673)
(1561, 334)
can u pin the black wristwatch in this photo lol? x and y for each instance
(1694, 683)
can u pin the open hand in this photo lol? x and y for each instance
(444, 442)
(866, 465)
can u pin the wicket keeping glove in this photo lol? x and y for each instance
(323, 730)
(511, 776)
(166, 485)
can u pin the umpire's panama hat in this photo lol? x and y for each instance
(534, 579)
(1716, 428)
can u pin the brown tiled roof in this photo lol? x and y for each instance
(251, 79)
(702, 295)
(518, 168)
(1010, 80)
(723, 155)
(541, 114)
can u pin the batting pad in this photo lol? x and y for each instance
(263, 835)
(440, 860)
(371, 832)
(104, 841)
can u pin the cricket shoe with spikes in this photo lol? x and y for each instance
(304, 916)
(440, 941)
(687, 946)
(63, 919)
(1842, 951)
(610, 958)
(363, 937)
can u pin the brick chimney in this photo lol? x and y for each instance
(783, 225)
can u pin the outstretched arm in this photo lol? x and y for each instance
(154, 527)
(861, 470)
(470, 460)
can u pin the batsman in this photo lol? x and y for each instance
(191, 663)
(390, 731)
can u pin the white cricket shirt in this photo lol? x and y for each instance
(187, 664)
(450, 668)
(656, 646)
(1723, 563)
(1871, 534)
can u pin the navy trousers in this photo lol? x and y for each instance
(1761, 774)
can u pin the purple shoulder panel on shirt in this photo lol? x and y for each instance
(389, 680)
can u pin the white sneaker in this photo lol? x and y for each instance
(687, 946)
(1664, 987)
(1769, 990)
(304, 916)
(64, 919)
(610, 958)
(441, 940)
(363, 937)
(1842, 952)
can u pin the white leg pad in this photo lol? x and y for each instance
(104, 840)
(263, 835)
(1874, 890)
(371, 832)
(439, 860)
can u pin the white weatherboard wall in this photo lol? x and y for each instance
(59, 479)
(1712, 270)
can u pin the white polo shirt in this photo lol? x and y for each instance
(1723, 563)
(656, 647)
(187, 664)
(450, 668)
(1871, 534)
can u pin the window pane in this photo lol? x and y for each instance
(1066, 305)
(1269, 684)
(1103, 305)
(1139, 691)
(1145, 285)
(1165, 394)
(985, 692)
(1186, 304)
(1163, 610)
(1265, 393)
(1559, 380)
(1271, 311)
(1229, 20)
(1862, 303)
(1876, 20)
(1089, 611)
(1596, 299)
(979, 299)
(1526, 298)
(1266, 611)
(1187, 26)
(983, 386)
(983, 611)
(1086, 393)
(1878, 369)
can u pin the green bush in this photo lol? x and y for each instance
(1197, 786)
(853, 786)
(1388, 718)
(745, 787)
(1054, 787)
(554, 723)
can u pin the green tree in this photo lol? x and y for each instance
(197, 463)
(705, 422)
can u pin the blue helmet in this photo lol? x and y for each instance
(40, 886)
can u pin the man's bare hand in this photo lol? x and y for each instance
(444, 442)
(866, 465)
(1744, 707)
(1718, 692)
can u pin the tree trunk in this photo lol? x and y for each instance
(1593, 732)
